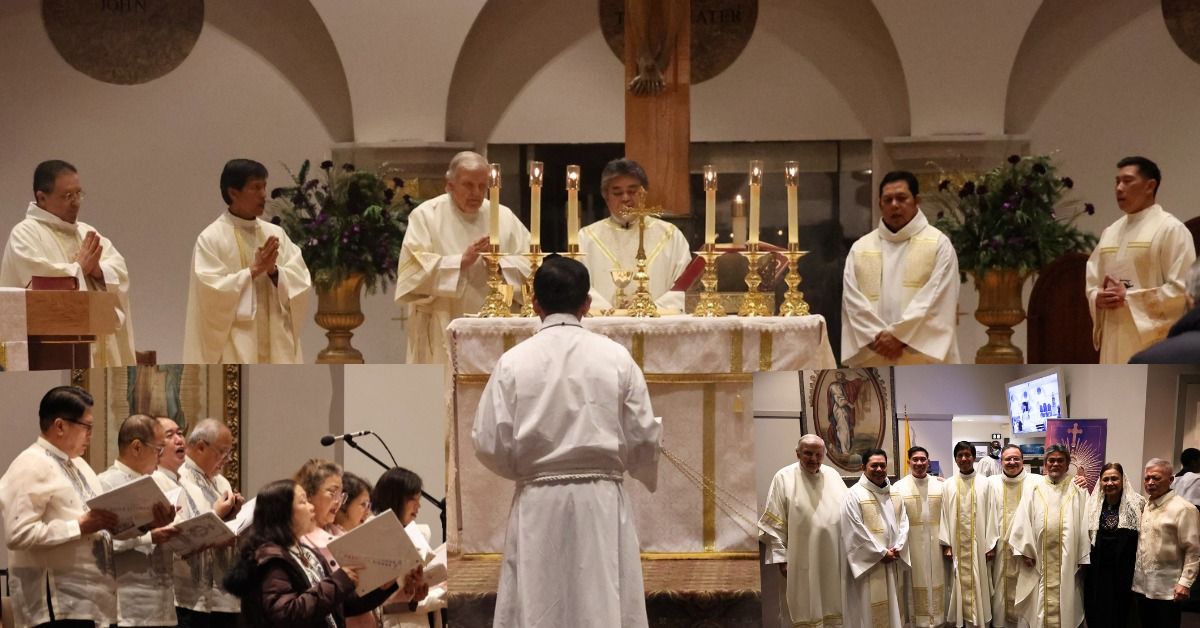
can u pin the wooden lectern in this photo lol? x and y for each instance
(62, 325)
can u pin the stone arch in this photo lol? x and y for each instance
(1061, 34)
(299, 47)
(509, 43)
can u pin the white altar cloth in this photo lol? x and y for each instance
(700, 375)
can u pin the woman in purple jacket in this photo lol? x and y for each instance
(283, 583)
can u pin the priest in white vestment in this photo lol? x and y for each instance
(52, 242)
(801, 529)
(900, 286)
(566, 414)
(1050, 534)
(249, 289)
(611, 244)
(441, 273)
(59, 551)
(920, 495)
(145, 592)
(1006, 492)
(874, 537)
(969, 535)
(1136, 275)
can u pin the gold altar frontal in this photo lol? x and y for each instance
(700, 374)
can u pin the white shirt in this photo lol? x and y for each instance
(198, 580)
(145, 590)
(42, 498)
(1168, 551)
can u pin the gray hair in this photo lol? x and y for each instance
(136, 427)
(1058, 448)
(623, 167)
(1159, 462)
(1192, 283)
(466, 160)
(810, 439)
(206, 431)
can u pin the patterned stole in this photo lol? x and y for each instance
(964, 541)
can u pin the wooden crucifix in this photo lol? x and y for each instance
(657, 97)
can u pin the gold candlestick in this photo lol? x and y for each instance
(643, 302)
(535, 256)
(793, 300)
(573, 252)
(755, 303)
(494, 306)
(709, 304)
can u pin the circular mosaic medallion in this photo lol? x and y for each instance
(124, 42)
(720, 31)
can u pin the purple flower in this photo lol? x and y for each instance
(398, 182)
(348, 167)
(326, 165)
(968, 188)
(1006, 206)
(1068, 183)
(312, 241)
(275, 220)
(944, 185)
(941, 215)
(1014, 159)
(1039, 168)
(981, 190)
(1089, 209)
(311, 184)
(277, 192)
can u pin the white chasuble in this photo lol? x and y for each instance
(924, 595)
(905, 283)
(430, 277)
(1050, 527)
(607, 246)
(1005, 495)
(870, 527)
(43, 245)
(233, 318)
(801, 527)
(969, 530)
(566, 414)
(1150, 252)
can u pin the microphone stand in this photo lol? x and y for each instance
(440, 503)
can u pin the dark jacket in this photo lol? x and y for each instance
(1181, 346)
(276, 592)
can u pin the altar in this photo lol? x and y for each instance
(700, 375)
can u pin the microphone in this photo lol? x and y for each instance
(330, 439)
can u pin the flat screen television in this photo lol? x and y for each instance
(1035, 398)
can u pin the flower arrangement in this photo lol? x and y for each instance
(1012, 217)
(351, 222)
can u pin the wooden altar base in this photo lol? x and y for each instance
(679, 593)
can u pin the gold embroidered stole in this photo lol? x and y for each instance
(1051, 554)
(964, 545)
(1008, 565)
(919, 260)
(929, 588)
(262, 286)
(877, 585)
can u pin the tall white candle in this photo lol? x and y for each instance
(572, 205)
(494, 202)
(536, 171)
(739, 220)
(791, 174)
(710, 204)
(756, 170)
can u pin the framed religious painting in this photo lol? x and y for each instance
(186, 393)
(852, 410)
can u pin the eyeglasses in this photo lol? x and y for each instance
(87, 426)
(226, 454)
(71, 197)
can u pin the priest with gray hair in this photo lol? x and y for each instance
(802, 532)
(441, 275)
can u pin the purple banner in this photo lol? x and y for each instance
(1086, 439)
